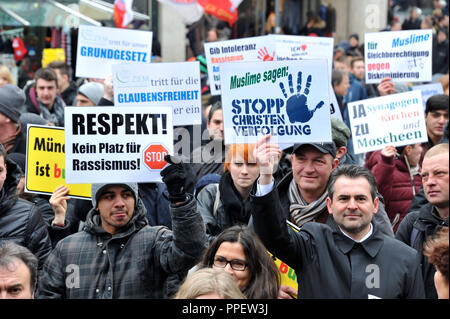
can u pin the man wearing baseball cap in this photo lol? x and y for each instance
(303, 191)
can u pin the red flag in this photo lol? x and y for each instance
(19, 49)
(123, 13)
(223, 9)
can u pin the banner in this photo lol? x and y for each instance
(240, 50)
(283, 99)
(428, 90)
(45, 162)
(117, 144)
(161, 84)
(404, 56)
(396, 120)
(100, 47)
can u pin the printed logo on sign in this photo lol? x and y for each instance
(154, 156)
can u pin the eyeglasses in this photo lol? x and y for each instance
(236, 264)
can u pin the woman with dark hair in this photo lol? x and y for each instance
(239, 252)
(227, 203)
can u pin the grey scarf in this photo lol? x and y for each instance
(300, 211)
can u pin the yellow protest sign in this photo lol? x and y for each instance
(50, 55)
(288, 275)
(45, 164)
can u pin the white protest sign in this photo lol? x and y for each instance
(404, 56)
(161, 84)
(428, 90)
(285, 99)
(117, 144)
(240, 50)
(293, 47)
(396, 119)
(100, 47)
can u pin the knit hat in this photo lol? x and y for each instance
(340, 132)
(98, 190)
(19, 159)
(93, 91)
(12, 99)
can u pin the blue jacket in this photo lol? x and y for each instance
(356, 91)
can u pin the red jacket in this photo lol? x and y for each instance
(394, 183)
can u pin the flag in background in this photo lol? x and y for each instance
(123, 12)
(225, 10)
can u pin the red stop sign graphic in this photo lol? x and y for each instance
(154, 156)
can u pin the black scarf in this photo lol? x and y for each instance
(236, 211)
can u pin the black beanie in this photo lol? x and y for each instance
(12, 99)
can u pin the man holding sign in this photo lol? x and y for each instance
(117, 232)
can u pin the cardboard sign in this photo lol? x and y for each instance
(161, 84)
(45, 162)
(100, 47)
(241, 50)
(284, 99)
(396, 120)
(117, 144)
(404, 56)
(428, 90)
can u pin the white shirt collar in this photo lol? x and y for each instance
(362, 239)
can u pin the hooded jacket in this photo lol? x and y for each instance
(133, 263)
(395, 183)
(20, 220)
(331, 265)
(427, 222)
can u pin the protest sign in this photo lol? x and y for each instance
(396, 120)
(428, 90)
(284, 99)
(240, 50)
(45, 162)
(161, 84)
(100, 47)
(50, 55)
(117, 144)
(404, 56)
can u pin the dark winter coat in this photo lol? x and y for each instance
(331, 265)
(395, 183)
(427, 222)
(133, 263)
(20, 220)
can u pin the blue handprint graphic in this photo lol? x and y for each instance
(296, 106)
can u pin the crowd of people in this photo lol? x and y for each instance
(369, 226)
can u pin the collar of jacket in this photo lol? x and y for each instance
(137, 221)
(429, 217)
(371, 245)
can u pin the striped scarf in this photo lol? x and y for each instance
(300, 211)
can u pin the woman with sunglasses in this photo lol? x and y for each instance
(238, 251)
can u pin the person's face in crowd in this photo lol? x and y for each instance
(46, 92)
(84, 101)
(441, 37)
(435, 179)
(7, 129)
(441, 285)
(435, 122)
(3, 171)
(15, 281)
(353, 42)
(338, 65)
(234, 251)
(3, 81)
(116, 207)
(342, 88)
(212, 35)
(352, 205)
(414, 154)
(311, 170)
(358, 69)
(215, 126)
(243, 173)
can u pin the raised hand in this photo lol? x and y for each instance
(389, 151)
(58, 201)
(296, 106)
(266, 155)
(174, 176)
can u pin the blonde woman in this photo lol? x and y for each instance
(6, 76)
(209, 283)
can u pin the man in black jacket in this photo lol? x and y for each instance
(418, 226)
(346, 258)
(20, 220)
